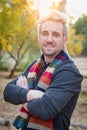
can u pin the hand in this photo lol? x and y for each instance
(33, 94)
(22, 82)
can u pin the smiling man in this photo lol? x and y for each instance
(49, 88)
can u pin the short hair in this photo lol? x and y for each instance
(57, 16)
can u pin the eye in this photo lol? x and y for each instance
(55, 34)
(44, 33)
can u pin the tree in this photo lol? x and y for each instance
(74, 44)
(81, 29)
(61, 5)
(18, 21)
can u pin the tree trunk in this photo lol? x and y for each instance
(13, 70)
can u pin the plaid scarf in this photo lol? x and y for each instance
(24, 120)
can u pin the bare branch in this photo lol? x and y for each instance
(20, 47)
(12, 56)
(22, 55)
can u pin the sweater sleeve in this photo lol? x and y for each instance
(65, 85)
(15, 94)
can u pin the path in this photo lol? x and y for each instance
(81, 62)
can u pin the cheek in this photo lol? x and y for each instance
(40, 42)
(60, 43)
(39, 39)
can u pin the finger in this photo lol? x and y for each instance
(18, 82)
(25, 82)
(21, 80)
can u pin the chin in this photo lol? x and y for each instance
(49, 54)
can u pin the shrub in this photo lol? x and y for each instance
(3, 64)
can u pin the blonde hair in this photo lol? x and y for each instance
(57, 16)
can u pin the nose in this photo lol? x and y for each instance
(49, 38)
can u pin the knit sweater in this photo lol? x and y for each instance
(58, 101)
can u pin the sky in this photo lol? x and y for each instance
(74, 8)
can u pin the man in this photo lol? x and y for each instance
(49, 88)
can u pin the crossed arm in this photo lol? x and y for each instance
(32, 94)
(52, 101)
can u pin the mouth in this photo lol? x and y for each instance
(49, 47)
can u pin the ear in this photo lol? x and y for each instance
(65, 40)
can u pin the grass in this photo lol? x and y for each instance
(1, 91)
(83, 95)
(83, 98)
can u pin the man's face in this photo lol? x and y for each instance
(51, 38)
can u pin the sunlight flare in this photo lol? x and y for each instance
(43, 5)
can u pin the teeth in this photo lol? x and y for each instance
(48, 46)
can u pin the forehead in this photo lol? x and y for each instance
(52, 26)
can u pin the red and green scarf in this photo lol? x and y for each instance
(24, 119)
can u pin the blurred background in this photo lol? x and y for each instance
(19, 46)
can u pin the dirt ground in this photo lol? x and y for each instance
(8, 111)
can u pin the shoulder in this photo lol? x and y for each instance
(68, 65)
(68, 76)
(68, 70)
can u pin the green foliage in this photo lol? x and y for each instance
(3, 64)
(74, 44)
(17, 28)
(85, 45)
(81, 25)
(17, 20)
(28, 60)
(81, 29)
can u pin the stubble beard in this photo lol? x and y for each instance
(50, 54)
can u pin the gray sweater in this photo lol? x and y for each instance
(59, 99)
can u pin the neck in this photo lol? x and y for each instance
(48, 59)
